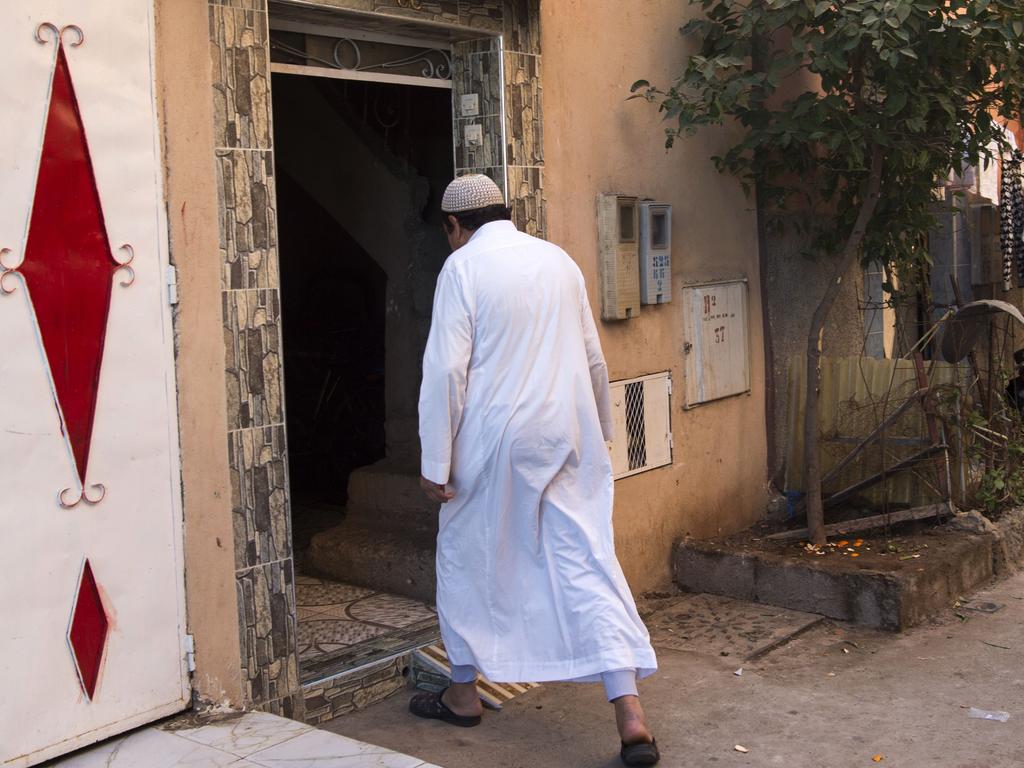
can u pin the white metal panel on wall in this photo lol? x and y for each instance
(92, 599)
(717, 349)
(641, 414)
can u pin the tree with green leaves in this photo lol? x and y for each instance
(849, 115)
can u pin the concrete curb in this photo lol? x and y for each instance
(872, 598)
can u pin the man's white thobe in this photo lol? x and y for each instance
(514, 414)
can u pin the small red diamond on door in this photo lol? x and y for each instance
(87, 635)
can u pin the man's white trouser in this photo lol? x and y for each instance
(617, 683)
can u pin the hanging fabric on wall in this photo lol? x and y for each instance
(1011, 220)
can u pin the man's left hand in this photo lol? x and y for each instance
(435, 492)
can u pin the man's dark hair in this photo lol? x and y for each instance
(476, 218)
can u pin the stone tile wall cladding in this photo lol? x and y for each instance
(509, 68)
(240, 60)
(252, 339)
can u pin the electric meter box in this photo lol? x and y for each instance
(655, 253)
(618, 243)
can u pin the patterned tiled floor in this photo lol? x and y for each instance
(334, 617)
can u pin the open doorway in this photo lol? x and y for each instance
(360, 169)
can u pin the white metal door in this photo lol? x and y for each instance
(91, 639)
(717, 344)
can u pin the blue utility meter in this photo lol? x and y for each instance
(655, 252)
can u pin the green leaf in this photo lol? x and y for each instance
(923, 79)
(895, 102)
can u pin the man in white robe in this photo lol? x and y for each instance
(514, 415)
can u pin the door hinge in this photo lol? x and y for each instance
(172, 285)
(190, 652)
(669, 380)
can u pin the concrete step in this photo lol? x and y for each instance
(396, 561)
(385, 486)
(355, 689)
(384, 496)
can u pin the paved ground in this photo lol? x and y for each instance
(235, 740)
(834, 696)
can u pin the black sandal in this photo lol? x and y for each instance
(644, 753)
(430, 706)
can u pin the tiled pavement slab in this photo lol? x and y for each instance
(241, 736)
(252, 740)
(723, 626)
(153, 748)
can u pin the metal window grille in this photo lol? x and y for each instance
(641, 411)
(637, 449)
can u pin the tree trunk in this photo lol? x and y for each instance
(760, 54)
(846, 260)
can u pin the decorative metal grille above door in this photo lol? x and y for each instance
(354, 56)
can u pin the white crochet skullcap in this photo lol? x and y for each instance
(470, 192)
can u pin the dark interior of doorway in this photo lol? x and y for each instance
(334, 285)
(333, 305)
(353, 161)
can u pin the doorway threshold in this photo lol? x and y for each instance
(344, 628)
(369, 652)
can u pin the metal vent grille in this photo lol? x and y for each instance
(643, 429)
(637, 447)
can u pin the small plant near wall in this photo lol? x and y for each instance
(846, 115)
(995, 455)
(999, 489)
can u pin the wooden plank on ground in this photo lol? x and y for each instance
(868, 523)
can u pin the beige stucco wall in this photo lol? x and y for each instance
(595, 141)
(186, 120)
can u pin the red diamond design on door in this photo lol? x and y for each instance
(87, 634)
(68, 265)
